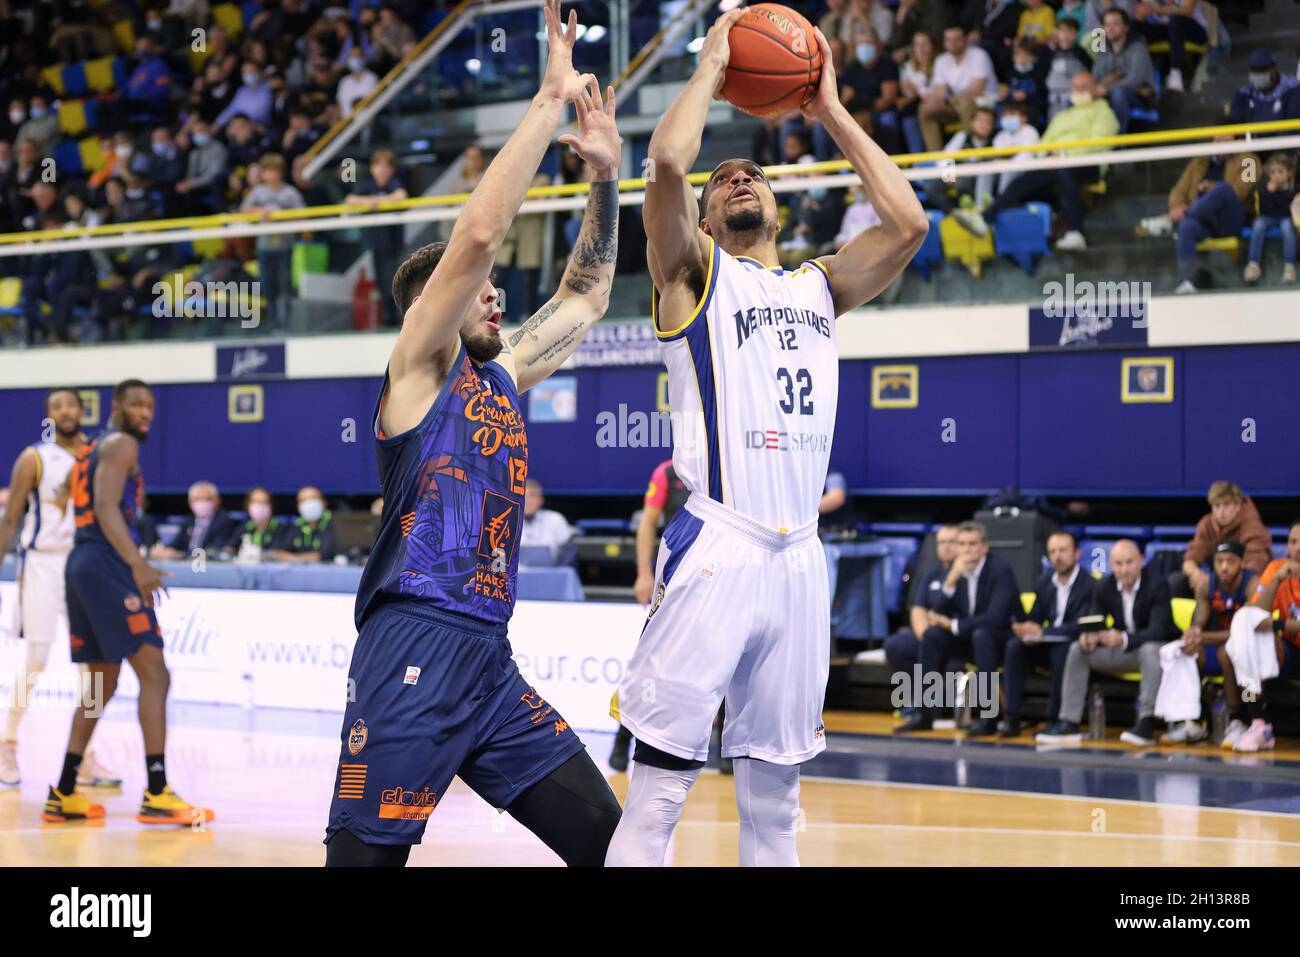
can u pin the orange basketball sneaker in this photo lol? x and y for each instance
(70, 807)
(166, 807)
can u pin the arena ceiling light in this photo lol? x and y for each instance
(595, 34)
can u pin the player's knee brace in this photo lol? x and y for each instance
(767, 797)
(345, 849)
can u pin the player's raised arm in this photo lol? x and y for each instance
(21, 482)
(550, 335)
(672, 216)
(870, 261)
(433, 327)
(118, 455)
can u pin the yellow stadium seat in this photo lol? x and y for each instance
(92, 153)
(1162, 46)
(197, 59)
(53, 77)
(72, 117)
(1228, 244)
(229, 16)
(1096, 189)
(970, 250)
(208, 248)
(124, 34)
(1027, 600)
(99, 74)
(11, 292)
(1182, 609)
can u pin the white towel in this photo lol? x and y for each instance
(1179, 697)
(1253, 654)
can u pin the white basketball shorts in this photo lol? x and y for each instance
(740, 611)
(42, 605)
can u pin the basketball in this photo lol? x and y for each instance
(775, 64)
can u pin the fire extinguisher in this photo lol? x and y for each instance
(365, 303)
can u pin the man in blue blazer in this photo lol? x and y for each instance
(1061, 597)
(971, 621)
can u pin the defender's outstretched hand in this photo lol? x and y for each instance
(597, 140)
(561, 80)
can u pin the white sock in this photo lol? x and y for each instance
(654, 805)
(767, 796)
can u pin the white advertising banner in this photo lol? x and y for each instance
(293, 650)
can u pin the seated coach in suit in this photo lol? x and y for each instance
(208, 527)
(1061, 597)
(1138, 603)
(972, 620)
(903, 647)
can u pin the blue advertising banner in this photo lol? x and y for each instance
(1089, 315)
(248, 362)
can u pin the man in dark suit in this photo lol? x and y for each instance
(972, 620)
(903, 647)
(207, 528)
(1061, 597)
(1138, 603)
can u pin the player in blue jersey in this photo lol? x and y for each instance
(111, 592)
(435, 692)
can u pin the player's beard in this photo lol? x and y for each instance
(482, 346)
(744, 221)
(71, 433)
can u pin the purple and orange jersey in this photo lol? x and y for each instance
(83, 496)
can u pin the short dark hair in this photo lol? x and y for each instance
(126, 385)
(64, 388)
(411, 275)
(1122, 15)
(1074, 539)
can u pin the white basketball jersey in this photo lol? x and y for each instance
(753, 382)
(46, 527)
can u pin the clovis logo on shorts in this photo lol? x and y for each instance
(399, 804)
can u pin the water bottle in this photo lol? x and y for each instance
(962, 700)
(1096, 716)
(1219, 717)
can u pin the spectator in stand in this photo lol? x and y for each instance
(244, 144)
(835, 514)
(359, 83)
(149, 87)
(1014, 129)
(211, 93)
(1061, 597)
(915, 81)
(274, 252)
(1228, 589)
(970, 620)
(309, 537)
(993, 25)
(1123, 68)
(389, 35)
(1096, 9)
(1179, 23)
(835, 22)
(385, 242)
(766, 145)
(27, 172)
(1268, 95)
(45, 198)
(1276, 201)
(42, 125)
(814, 219)
(859, 216)
(1068, 58)
(903, 647)
(473, 164)
(8, 182)
(298, 136)
(872, 15)
(1027, 84)
(872, 76)
(1139, 605)
(1278, 591)
(13, 121)
(520, 257)
(542, 526)
(963, 73)
(319, 95)
(251, 100)
(1232, 517)
(208, 528)
(913, 17)
(971, 191)
(164, 166)
(1089, 118)
(203, 188)
(1037, 23)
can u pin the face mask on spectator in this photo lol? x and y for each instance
(259, 512)
(1080, 99)
(135, 194)
(865, 52)
(155, 24)
(356, 64)
(1024, 67)
(17, 116)
(817, 193)
(311, 509)
(202, 139)
(250, 79)
(1011, 123)
(161, 149)
(1261, 81)
(204, 508)
(38, 112)
(123, 150)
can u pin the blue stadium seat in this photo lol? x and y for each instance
(901, 550)
(67, 157)
(1279, 550)
(1018, 234)
(1096, 555)
(603, 526)
(931, 252)
(1279, 532)
(920, 529)
(1183, 532)
(1154, 547)
(1139, 532)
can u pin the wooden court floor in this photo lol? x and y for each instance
(271, 793)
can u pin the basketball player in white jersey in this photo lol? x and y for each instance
(38, 496)
(741, 605)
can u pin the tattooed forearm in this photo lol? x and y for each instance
(597, 247)
(559, 346)
(531, 325)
